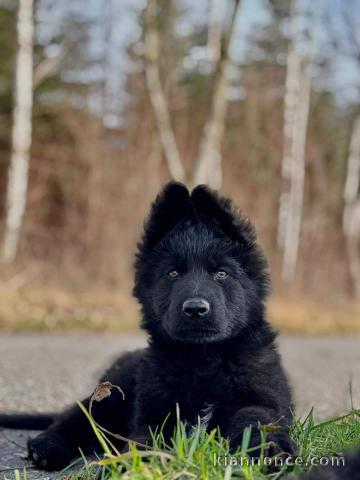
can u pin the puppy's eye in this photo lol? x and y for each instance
(221, 275)
(173, 274)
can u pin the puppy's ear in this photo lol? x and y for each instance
(171, 206)
(211, 207)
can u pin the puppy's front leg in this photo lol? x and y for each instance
(254, 416)
(60, 443)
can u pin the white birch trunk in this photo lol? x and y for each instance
(291, 101)
(21, 132)
(214, 57)
(296, 113)
(208, 166)
(157, 96)
(297, 177)
(351, 212)
(213, 35)
(106, 61)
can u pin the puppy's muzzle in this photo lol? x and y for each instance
(196, 307)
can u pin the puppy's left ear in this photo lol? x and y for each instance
(171, 206)
(211, 207)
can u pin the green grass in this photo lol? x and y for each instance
(195, 456)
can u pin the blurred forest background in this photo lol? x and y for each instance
(102, 101)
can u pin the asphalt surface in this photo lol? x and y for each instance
(42, 372)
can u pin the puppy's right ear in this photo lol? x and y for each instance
(171, 206)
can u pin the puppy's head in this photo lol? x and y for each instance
(200, 275)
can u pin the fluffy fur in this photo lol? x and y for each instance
(349, 470)
(214, 356)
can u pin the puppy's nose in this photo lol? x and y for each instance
(196, 307)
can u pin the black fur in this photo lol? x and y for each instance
(223, 361)
(27, 421)
(349, 470)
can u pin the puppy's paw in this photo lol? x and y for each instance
(48, 452)
(281, 444)
(278, 443)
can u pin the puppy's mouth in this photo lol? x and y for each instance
(197, 335)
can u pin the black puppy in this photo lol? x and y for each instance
(201, 280)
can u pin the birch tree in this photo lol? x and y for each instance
(213, 34)
(21, 131)
(349, 46)
(157, 95)
(107, 67)
(206, 167)
(49, 66)
(296, 113)
(351, 212)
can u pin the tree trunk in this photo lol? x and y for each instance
(296, 181)
(296, 113)
(351, 212)
(208, 166)
(157, 96)
(213, 35)
(21, 132)
(292, 89)
(107, 73)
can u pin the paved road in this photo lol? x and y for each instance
(47, 372)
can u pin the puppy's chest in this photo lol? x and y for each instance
(198, 389)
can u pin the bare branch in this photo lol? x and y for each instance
(157, 96)
(47, 67)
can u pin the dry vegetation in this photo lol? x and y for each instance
(90, 185)
(40, 307)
